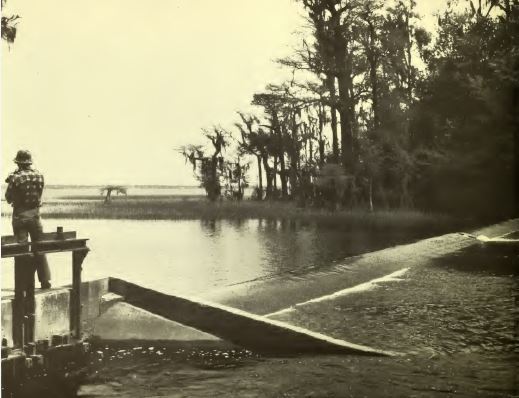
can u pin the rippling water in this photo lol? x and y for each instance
(457, 305)
(185, 374)
(454, 320)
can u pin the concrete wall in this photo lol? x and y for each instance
(52, 314)
(52, 310)
(91, 294)
(102, 314)
(122, 321)
(7, 321)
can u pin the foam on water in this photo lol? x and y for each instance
(372, 284)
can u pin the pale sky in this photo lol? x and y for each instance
(104, 91)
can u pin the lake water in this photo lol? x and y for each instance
(193, 257)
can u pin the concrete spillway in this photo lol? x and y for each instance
(240, 327)
(115, 309)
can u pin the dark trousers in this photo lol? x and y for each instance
(22, 228)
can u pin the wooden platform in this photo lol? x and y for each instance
(25, 254)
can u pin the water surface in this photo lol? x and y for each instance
(193, 257)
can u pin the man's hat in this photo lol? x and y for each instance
(23, 157)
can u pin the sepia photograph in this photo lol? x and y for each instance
(259, 198)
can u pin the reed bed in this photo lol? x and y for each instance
(194, 208)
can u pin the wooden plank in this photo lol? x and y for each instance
(45, 236)
(75, 294)
(78, 249)
(8, 240)
(44, 246)
(58, 235)
(242, 328)
(20, 249)
(12, 249)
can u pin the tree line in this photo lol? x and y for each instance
(381, 113)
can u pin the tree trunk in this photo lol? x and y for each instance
(516, 156)
(295, 160)
(269, 176)
(370, 192)
(330, 83)
(282, 171)
(343, 67)
(515, 128)
(275, 173)
(346, 124)
(372, 60)
(374, 94)
(260, 177)
(293, 176)
(283, 176)
(213, 186)
(108, 197)
(409, 61)
(321, 140)
(240, 193)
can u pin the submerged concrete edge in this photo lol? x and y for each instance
(248, 330)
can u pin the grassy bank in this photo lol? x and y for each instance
(194, 208)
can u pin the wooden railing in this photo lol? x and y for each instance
(24, 302)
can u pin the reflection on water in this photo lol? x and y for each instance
(195, 256)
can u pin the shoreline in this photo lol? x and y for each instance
(198, 208)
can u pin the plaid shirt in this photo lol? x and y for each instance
(24, 190)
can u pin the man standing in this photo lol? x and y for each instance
(24, 190)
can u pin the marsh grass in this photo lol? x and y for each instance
(169, 207)
(131, 197)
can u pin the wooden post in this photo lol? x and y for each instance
(29, 302)
(75, 295)
(18, 301)
(23, 302)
